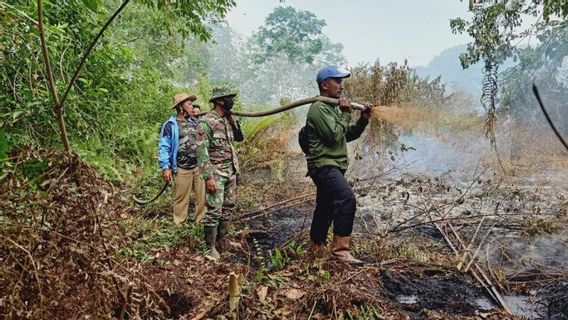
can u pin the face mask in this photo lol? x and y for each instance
(229, 103)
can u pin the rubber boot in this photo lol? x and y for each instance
(223, 229)
(317, 251)
(340, 251)
(210, 235)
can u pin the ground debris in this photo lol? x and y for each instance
(60, 229)
(64, 241)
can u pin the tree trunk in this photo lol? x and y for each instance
(58, 108)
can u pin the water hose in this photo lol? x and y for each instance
(292, 105)
(143, 202)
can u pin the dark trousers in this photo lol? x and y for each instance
(335, 203)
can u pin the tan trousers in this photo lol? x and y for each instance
(186, 181)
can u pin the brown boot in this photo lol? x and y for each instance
(317, 251)
(340, 251)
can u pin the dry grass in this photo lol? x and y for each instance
(427, 119)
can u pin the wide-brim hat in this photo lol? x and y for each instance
(183, 97)
(221, 92)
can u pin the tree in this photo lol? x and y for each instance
(286, 53)
(549, 74)
(295, 33)
(496, 32)
(266, 78)
(69, 32)
(496, 27)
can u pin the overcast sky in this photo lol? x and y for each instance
(389, 30)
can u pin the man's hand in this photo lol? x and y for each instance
(345, 105)
(230, 117)
(211, 185)
(366, 114)
(167, 175)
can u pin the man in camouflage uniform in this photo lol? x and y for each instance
(218, 163)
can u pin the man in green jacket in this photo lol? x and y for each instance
(329, 130)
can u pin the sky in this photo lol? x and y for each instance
(388, 30)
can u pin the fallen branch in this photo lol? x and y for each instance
(468, 250)
(487, 283)
(267, 210)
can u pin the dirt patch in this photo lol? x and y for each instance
(555, 302)
(178, 303)
(279, 227)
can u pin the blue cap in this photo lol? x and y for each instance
(332, 72)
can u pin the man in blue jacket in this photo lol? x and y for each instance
(177, 158)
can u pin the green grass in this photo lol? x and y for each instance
(158, 234)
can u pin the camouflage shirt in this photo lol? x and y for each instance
(215, 151)
(187, 151)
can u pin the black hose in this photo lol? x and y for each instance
(291, 106)
(535, 90)
(143, 202)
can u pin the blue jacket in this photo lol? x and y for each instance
(168, 144)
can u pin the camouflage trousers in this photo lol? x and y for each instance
(221, 204)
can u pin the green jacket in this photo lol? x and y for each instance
(329, 131)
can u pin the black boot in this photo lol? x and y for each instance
(210, 235)
(223, 229)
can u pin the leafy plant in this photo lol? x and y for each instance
(160, 233)
(277, 260)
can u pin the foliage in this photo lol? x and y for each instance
(496, 27)
(295, 33)
(547, 73)
(279, 258)
(195, 14)
(364, 313)
(120, 86)
(155, 234)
